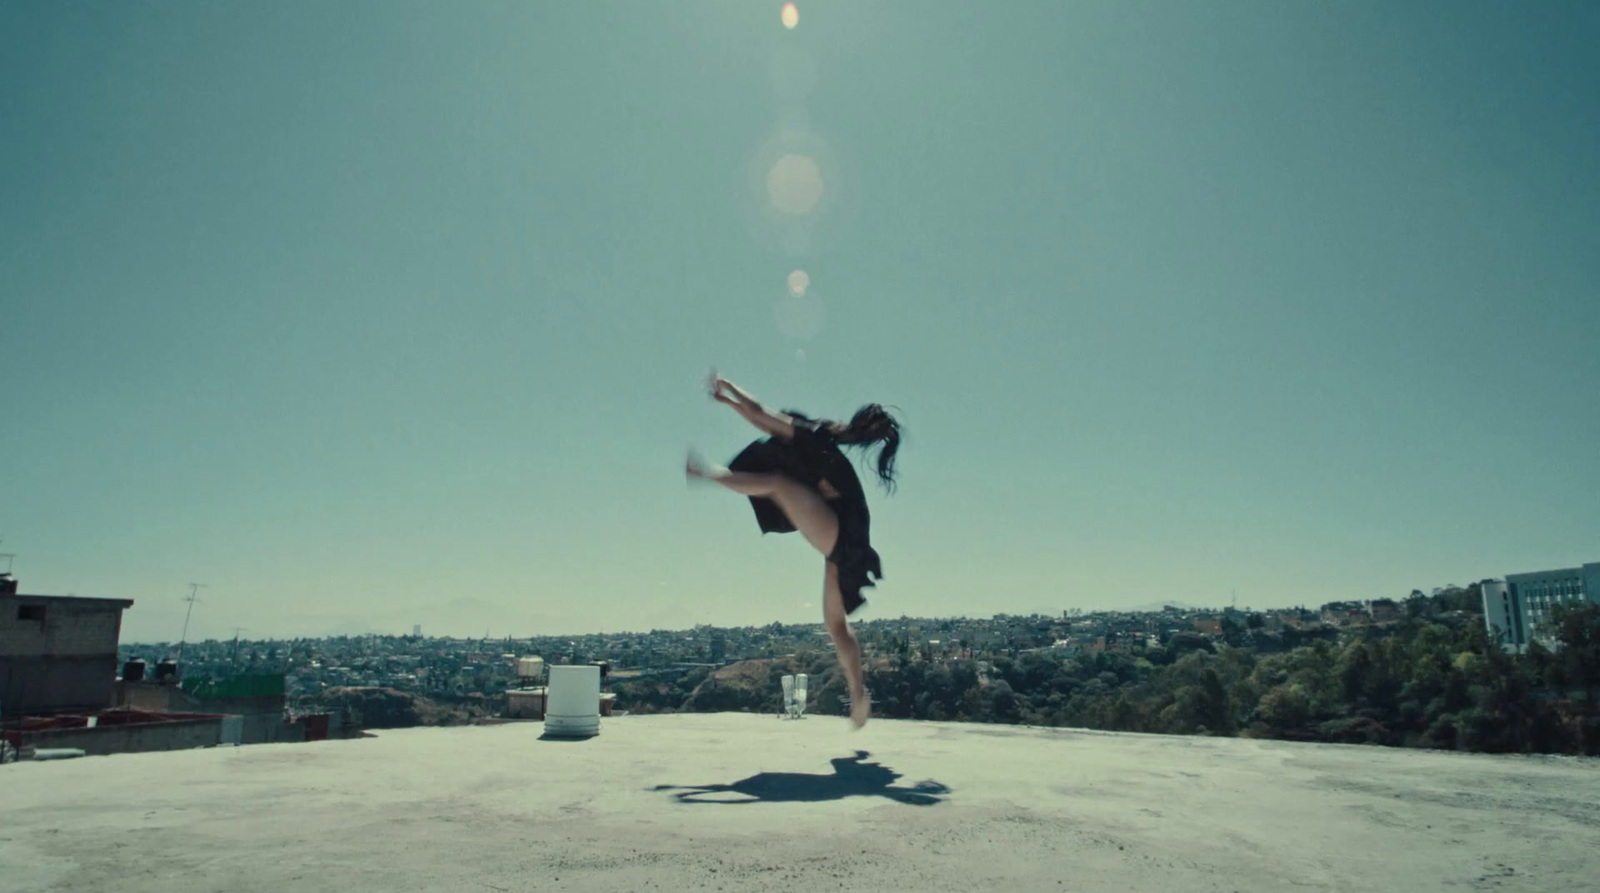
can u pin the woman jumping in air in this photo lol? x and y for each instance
(797, 478)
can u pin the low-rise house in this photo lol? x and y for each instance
(58, 654)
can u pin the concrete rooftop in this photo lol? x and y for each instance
(752, 803)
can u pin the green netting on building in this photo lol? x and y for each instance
(250, 686)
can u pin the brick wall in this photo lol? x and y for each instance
(56, 684)
(91, 627)
(58, 653)
(133, 738)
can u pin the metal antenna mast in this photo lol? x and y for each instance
(191, 598)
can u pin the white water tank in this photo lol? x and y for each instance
(530, 667)
(573, 708)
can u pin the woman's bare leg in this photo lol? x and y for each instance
(804, 506)
(815, 520)
(844, 644)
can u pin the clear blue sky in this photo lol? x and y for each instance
(381, 313)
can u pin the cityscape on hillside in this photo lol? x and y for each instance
(488, 666)
(1457, 667)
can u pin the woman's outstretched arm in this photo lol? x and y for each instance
(775, 423)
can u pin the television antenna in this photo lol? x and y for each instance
(236, 631)
(191, 598)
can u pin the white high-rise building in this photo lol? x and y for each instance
(1517, 610)
(417, 630)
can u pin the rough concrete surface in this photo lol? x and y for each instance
(738, 802)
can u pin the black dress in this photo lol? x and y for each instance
(811, 457)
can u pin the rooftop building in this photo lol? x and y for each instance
(57, 653)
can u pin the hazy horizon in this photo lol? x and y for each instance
(369, 315)
(1153, 607)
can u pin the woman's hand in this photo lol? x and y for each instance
(724, 391)
(719, 388)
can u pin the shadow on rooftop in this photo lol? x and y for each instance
(852, 777)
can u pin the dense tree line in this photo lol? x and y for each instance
(1432, 679)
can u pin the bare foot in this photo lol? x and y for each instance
(860, 710)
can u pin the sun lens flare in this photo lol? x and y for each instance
(790, 16)
(794, 184)
(800, 317)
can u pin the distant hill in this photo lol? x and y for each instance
(1157, 607)
(745, 685)
(388, 708)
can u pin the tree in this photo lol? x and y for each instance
(1233, 632)
(1283, 710)
(1184, 642)
(1577, 628)
(1004, 705)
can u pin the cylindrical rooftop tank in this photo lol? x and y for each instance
(133, 670)
(167, 669)
(573, 706)
(530, 667)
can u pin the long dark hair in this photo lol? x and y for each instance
(873, 424)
